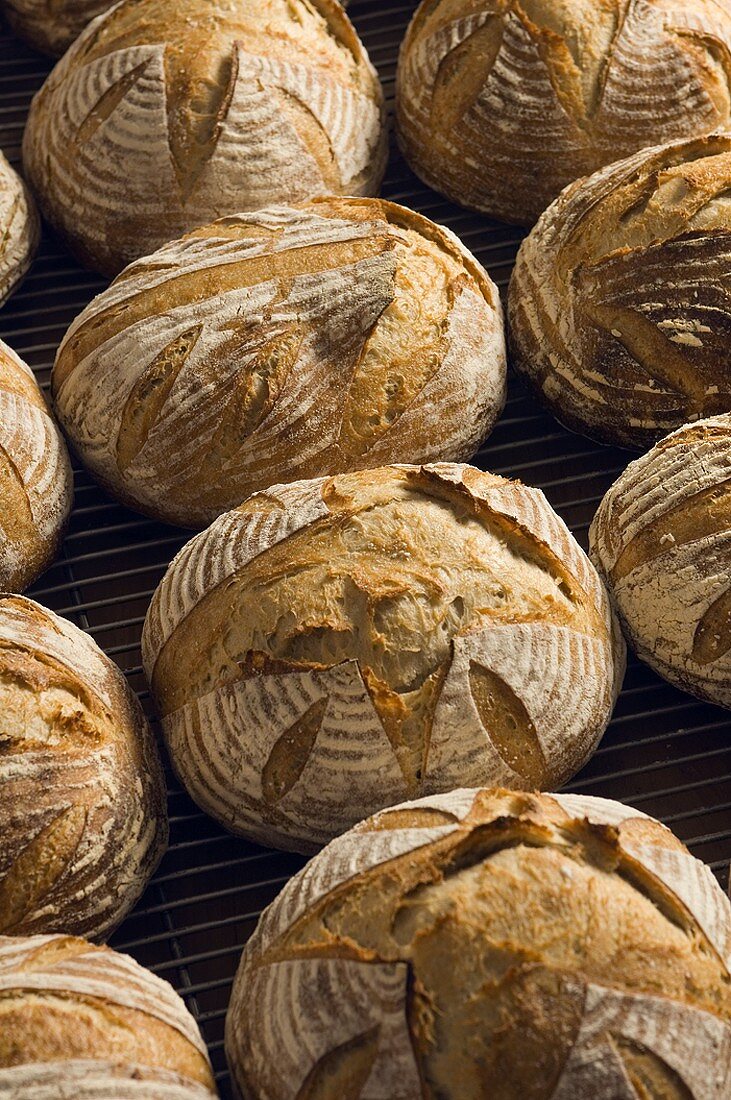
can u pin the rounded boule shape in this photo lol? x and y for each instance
(333, 646)
(280, 345)
(500, 105)
(488, 943)
(51, 28)
(84, 1021)
(36, 482)
(166, 114)
(82, 795)
(620, 306)
(19, 229)
(661, 538)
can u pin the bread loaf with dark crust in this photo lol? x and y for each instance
(333, 646)
(51, 28)
(279, 345)
(36, 483)
(19, 229)
(166, 114)
(620, 305)
(661, 538)
(79, 1022)
(82, 797)
(488, 943)
(502, 103)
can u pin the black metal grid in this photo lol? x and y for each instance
(664, 752)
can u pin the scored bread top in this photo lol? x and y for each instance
(279, 345)
(662, 539)
(566, 946)
(93, 1016)
(166, 115)
(82, 812)
(36, 482)
(409, 624)
(19, 229)
(502, 104)
(619, 305)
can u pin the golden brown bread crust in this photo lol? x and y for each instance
(280, 345)
(489, 943)
(82, 794)
(19, 229)
(166, 115)
(619, 306)
(335, 645)
(502, 103)
(662, 540)
(36, 483)
(52, 27)
(76, 1015)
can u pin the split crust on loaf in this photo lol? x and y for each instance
(36, 483)
(19, 229)
(502, 103)
(619, 305)
(281, 345)
(165, 115)
(661, 538)
(483, 942)
(82, 793)
(336, 645)
(78, 1021)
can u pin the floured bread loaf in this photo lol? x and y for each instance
(82, 797)
(36, 484)
(502, 103)
(19, 229)
(165, 114)
(85, 1023)
(281, 345)
(662, 540)
(620, 305)
(488, 944)
(51, 27)
(333, 646)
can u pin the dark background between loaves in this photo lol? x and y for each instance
(664, 752)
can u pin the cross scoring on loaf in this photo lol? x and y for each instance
(503, 917)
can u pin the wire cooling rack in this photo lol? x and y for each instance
(664, 752)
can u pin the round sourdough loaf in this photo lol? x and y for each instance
(501, 103)
(82, 796)
(485, 943)
(165, 114)
(19, 229)
(333, 646)
(85, 1023)
(662, 540)
(51, 27)
(36, 483)
(280, 345)
(620, 302)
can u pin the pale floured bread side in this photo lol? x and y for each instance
(19, 229)
(336, 645)
(485, 942)
(51, 27)
(502, 103)
(36, 483)
(279, 345)
(619, 305)
(662, 540)
(78, 1021)
(166, 114)
(82, 793)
